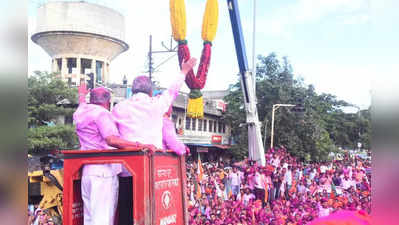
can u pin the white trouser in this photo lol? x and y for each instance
(100, 198)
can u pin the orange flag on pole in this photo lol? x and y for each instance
(200, 173)
(200, 170)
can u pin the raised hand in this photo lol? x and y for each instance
(82, 92)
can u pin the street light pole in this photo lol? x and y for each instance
(264, 139)
(275, 107)
(151, 52)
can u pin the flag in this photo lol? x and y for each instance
(200, 172)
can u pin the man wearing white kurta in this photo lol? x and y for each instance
(96, 130)
(140, 117)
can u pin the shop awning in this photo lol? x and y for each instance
(210, 145)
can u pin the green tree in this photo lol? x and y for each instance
(323, 127)
(45, 90)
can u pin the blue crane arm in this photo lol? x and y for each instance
(255, 146)
(239, 43)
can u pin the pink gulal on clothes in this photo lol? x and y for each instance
(140, 117)
(169, 138)
(93, 124)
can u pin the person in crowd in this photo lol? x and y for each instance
(260, 185)
(235, 181)
(306, 200)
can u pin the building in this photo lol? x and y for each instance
(81, 38)
(208, 135)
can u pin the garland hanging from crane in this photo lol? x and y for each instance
(195, 107)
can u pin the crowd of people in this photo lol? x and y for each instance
(37, 216)
(285, 191)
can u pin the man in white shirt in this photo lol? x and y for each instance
(221, 191)
(235, 181)
(324, 210)
(301, 188)
(288, 181)
(346, 183)
(260, 181)
(140, 117)
(323, 168)
(276, 162)
(312, 174)
(247, 197)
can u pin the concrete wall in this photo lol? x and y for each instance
(80, 30)
(80, 16)
(57, 44)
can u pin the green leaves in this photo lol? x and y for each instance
(45, 91)
(322, 128)
(46, 138)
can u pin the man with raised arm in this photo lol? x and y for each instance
(140, 118)
(169, 137)
(97, 130)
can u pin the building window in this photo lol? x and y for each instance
(224, 128)
(71, 64)
(59, 64)
(214, 126)
(205, 123)
(85, 66)
(210, 125)
(193, 126)
(220, 127)
(188, 123)
(99, 71)
(199, 125)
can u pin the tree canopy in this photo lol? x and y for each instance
(323, 128)
(45, 90)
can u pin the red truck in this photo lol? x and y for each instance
(155, 194)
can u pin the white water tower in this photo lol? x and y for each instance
(81, 38)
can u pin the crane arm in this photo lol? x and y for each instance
(255, 145)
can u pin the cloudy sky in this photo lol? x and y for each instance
(342, 47)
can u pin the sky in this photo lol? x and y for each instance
(347, 48)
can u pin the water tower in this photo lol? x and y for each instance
(81, 38)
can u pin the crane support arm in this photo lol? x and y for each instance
(255, 145)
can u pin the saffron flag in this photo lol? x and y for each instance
(200, 172)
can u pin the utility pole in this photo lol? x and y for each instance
(253, 45)
(169, 49)
(264, 138)
(255, 146)
(150, 59)
(275, 107)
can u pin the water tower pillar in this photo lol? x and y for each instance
(78, 38)
(54, 68)
(78, 70)
(93, 69)
(64, 69)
